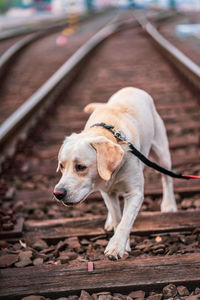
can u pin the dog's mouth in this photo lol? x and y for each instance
(70, 204)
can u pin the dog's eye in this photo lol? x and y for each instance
(61, 166)
(80, 168)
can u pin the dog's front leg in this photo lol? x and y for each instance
(114, 211)
(118, 243)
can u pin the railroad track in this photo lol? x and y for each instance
(36, 54)
(56, 252)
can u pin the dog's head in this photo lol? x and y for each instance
(84, 163)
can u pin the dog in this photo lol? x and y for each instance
(95, 160)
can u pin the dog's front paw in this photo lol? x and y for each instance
(168, 204)
(115, 249)
(168, 207)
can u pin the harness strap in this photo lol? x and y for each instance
(120, 136)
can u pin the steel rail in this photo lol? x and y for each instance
(182, 62)
(17, 47)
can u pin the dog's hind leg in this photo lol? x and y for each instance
(114, 211)
(160, 148)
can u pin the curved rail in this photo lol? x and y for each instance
(182, 62)
(17, 47)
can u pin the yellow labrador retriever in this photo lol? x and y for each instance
(95, 160)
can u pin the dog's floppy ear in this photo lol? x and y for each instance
(91, 107)
(109, 156)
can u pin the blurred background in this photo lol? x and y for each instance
(19, 8)
(15, 14)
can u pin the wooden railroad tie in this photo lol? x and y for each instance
(118, 276)
(145, 224)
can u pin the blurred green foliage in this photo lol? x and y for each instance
(5, 4)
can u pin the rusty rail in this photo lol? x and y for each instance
(182, 62)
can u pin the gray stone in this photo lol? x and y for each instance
(23, 263)
(25, 254)
(104, 297)
(85, 296)
(8, 260)
(119, 296)
(187, 203)
(183, 291)
(40, 245)
(24, 259)
(137, 294)
(197, 291)
(155, 297)
(38, 261)
(64, 259)
(69, 254)
(169, 291)
(85, 242)
(73, 243)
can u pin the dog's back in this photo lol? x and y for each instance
(131, 110)
(134, 101)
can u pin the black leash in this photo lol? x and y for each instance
(120, 136)
(157, 167)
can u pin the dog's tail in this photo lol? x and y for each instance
(91, 107)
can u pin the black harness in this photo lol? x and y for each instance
(120, 136)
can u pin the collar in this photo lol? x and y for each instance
(118, 134)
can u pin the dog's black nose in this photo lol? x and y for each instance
(60, 193)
